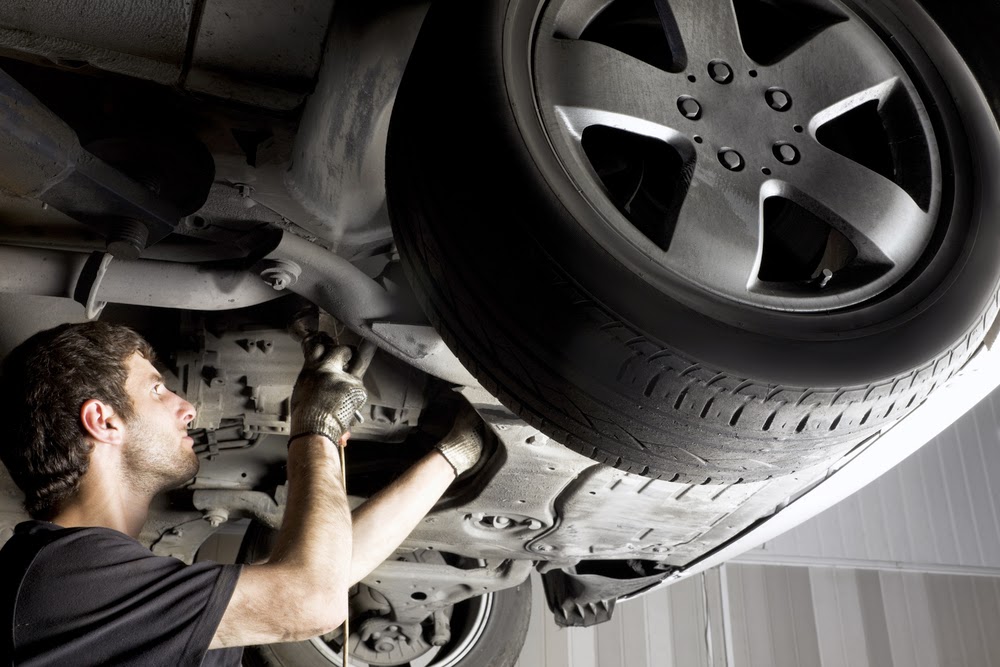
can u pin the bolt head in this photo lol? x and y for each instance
(280, 274)
(277, 278)
(124, 250)
(720, 71)
(785, 152)
(778, 99)
(731, 159)
(689, 107)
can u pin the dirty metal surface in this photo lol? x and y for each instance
(416, 589)
(143, 39)
(538, 499)
(246, 373)
(259, 51)
(255, 52)
(338, 169)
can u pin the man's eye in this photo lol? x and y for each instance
(158, 389)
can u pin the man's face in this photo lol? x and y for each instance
(158, 453)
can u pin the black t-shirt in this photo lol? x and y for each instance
(95, 596)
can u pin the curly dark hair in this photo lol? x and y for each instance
(43, 384)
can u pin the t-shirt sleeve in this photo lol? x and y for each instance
(99, 597)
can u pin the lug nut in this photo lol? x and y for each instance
(785, 152)
(731, 160)
(689, 107)
(720, 71)
(778, 99)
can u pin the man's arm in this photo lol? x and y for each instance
(301, 591)
(387, 518)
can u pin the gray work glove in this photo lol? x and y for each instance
(326, 396)
(463, 445)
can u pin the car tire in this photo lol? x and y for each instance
(545, 289)
(486, 630)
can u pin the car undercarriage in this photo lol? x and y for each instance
(212, 172)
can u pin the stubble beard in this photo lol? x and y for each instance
(154, 460)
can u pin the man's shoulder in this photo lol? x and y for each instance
(48, 531)
(40, 549)
(80, 587)
(37, 536)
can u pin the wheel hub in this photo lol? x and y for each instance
(381, 641)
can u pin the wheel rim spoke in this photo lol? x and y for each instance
(716, 240)
(572, 18)
(708, 29)
(845, 75)
(592, 84)
(878, 216)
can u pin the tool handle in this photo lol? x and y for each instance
(362, 358)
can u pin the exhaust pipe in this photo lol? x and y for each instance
(94, 280)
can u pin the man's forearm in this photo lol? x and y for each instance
(315, 535)
(388, 517)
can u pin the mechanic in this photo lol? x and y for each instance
(94, 435)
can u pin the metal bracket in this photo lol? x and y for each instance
(582, 600)
(257, 504)
(417, 590)
(89, 283)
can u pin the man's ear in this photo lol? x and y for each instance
(100, 422)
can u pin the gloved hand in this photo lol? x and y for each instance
(325, 396)
(463, 445)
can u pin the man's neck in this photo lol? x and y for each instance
(121, 511)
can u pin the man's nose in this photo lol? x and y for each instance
(187, 411)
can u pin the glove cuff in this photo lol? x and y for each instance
(463, 451)
(318, 421)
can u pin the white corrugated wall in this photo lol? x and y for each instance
(905, 573)
(837, 617)
(788, 616)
